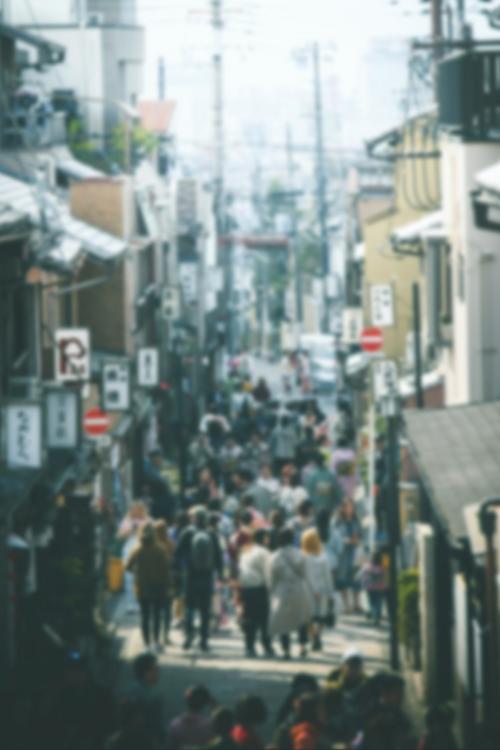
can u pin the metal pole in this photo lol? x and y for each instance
(437, 36)
(200, 327)
(182, 426)
(321, 183)
(299, 314)
(419, 393)
(394, 533)
(162, 79)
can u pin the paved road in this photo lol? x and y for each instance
(228, 674)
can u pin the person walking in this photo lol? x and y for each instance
(322, 486)
(152, 569)
(253, 575)
(292, 606)
(374, 581)
(165, 541)
(348, 528)
(198, 551)
(320, 582)
(128, 532)
(284, 441)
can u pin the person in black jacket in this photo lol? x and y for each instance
(199, 555)
(158, 489)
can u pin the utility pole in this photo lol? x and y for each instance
(417, 347)
(162, 79)
(437, 36)
(224, 248)
(321, 184)
(297, 275)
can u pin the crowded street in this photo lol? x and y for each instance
(249, 375)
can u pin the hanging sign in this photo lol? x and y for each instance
(72, 354)
(24, 435)
(116, 386)
(385, 379)
(352, 325)
(148, 367)
(382, 305)
(63, 418)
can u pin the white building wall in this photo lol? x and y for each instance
(471, 367)
(44, 12)
(103, 65)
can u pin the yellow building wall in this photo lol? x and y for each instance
(417, 193)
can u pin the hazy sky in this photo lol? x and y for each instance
(265, 87)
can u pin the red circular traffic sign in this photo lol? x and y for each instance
(96, 422)
(372, 340)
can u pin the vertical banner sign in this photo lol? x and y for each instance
(115, 386)
(385, 379)
(72, 354)
(148, 368)
(24, 435)
(63, 420)
(382, 305)
(352, 325)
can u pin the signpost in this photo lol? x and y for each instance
(385, 379)
(72, 354)
(116, 386)
(24, 435)
(371, 340)
(148, 367)
(382, 305)
(352, 325)
(96, 422)
(63, 418)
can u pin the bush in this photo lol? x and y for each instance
(409, 614)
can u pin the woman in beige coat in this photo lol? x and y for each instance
(292, 602)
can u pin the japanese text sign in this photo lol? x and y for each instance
(24, 435)
(62, 410)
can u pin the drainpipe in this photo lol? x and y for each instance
(487, 523)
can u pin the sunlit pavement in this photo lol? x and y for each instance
(228, 674)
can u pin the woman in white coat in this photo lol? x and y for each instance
(320, 582)
(292, 603)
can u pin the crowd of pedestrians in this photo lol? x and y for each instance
(268, 529)
(270, 536)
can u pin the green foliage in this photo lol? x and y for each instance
(409, 612)
(142, 143)
(82, 147)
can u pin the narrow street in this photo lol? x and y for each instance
(227, 674)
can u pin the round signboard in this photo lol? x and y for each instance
(372, 340)
(96, 422)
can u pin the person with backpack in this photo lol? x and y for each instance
(199, 554)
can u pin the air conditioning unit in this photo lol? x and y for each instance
(96, 19)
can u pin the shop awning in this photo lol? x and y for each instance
(413, 235)
(66, 236)
(489, 179)
(456, 452)
(51, 53)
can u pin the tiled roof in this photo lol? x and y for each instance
(457, 452)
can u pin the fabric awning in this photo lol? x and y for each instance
(50, 213)
(456, 452)
(415, 233)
